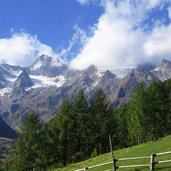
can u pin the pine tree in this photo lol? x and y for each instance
(62, 134)
(53, 138)
(168, 106)
(121, 136)
(83, 122)
(157, 111)
(136, 109)
(149, 112)
(102, 125)
(28, 146)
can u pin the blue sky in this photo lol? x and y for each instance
(106, 33)
(51, 20)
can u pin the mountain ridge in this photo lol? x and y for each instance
(42, 89)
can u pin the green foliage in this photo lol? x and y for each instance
(136, 110)
(82, 131)
(60, 135)
(103, 122)
(149, 112)
(30, 150)
(121, 135)
(81, 128)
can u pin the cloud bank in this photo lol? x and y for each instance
(22, 49)
(126, 34)
(123, 37)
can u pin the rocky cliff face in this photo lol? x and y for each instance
(22, 83)
(43, 86)
(163, 71)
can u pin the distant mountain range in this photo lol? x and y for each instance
(43, 86)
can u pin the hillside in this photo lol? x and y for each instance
(6, 131)
(7, 136)
(161, 145)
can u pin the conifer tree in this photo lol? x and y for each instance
(121, 136)
(102, 123)
(136, 109)
(28, 149)
(157, 111)
(83, 123)
(62, 133)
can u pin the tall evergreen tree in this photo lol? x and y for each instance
(121, 136)
(53, 137)
(149, 112)
(157, 111)
(83, 122)
(62, 134)
(102, 125)
(28, 151)
(136, 109)
(168, 105)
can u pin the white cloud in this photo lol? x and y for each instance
(83, 2)
(116, 40)
(119, 39)
(79, 37)
(158, 43)
(22, 49)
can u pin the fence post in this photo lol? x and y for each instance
(33, 167)
(152, 162)
(113, 159)
(85, 169)
(114, 163)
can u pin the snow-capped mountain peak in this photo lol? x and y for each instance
(46, 61)
(163, 70)
(48, 66)
(163, 65)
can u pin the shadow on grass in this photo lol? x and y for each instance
(164, 167)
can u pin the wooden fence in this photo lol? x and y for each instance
(151, 164)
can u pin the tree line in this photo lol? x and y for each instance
(81, 128)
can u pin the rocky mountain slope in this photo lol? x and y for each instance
(43, 86)
(6, 131)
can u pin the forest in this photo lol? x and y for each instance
(81, 127)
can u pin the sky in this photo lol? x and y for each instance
(105, 33)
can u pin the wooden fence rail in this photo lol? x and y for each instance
(163, 153)
(151, 165)
(134, 158)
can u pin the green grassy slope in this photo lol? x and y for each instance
(161, 145)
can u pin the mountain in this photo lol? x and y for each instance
(22, 83)
(42, 87)
(163, 71)
(8, 72)
(6, 131)
(130, 82)
(48, 66)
